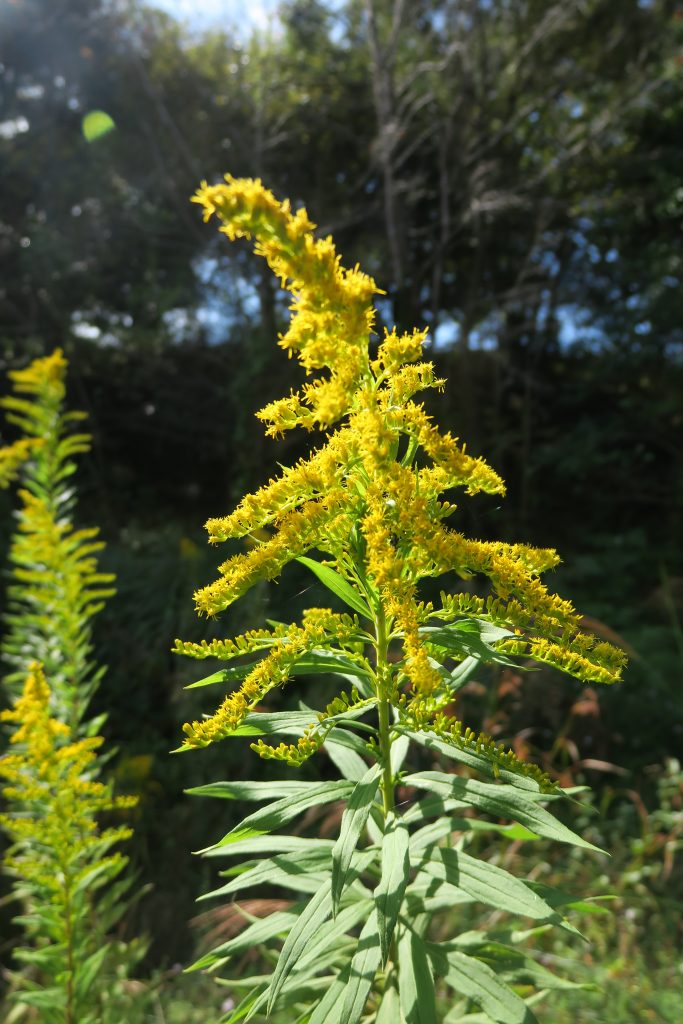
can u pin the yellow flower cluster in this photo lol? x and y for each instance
(12, 458)
(452, 732)
(41, 377)
(320, 628)
(374, 499)
(56, 832)
(314, 736)
(329, 302)
(298, 532)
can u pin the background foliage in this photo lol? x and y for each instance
(510, 174)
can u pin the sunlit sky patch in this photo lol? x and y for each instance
(238, 14)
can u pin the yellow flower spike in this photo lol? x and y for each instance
(332, 315)
(42, 376)
(48, 777)
(372, 501)
(12, 458)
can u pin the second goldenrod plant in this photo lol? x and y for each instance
(63, 864)
(373, 505)
(64, 878)
(56, 587)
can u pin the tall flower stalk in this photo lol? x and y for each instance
(55, 587)
(373, 505)
(64, 875)
(62, 860)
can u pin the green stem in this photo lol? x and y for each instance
(69, 1010)
(383, 672)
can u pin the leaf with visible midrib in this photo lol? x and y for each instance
(266, 819)
(352, 824)
(337, 585)
(392, 884)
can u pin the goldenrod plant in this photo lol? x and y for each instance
(63, 873)
(55, 587)
(368, 514)
(64, 866)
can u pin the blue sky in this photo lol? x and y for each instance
(227, 13)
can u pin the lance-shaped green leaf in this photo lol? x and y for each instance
(352, 824)
(393, 881)
(245, 1005)
(329, 1009)
(434, 806)
(462, 673)
(478, 982)
(390, 1008)
(316, 912)
(233, 674)
(320, 948)
(427, 895)
(428, 836)
(333, 933)
(88, 970)
(416, 982)
(347, 760)
(469, 638)
(488, 884)
(246, 790)
(267, 819)
(399, 751)
(364, 966)
(269, 844)
(504, 801)
(287, 870)
(518, 967)
(333, 662)
(558, 898)
(296, 991)
(257, 933)
(337, 585)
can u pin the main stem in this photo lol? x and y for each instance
(383, 671)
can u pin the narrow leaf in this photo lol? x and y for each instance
(352, 824)
(88, 970)
(427, 895)
(347, 761)
(270, 844)
(245, 790)
(399, 752)
(321, 662)
(338, 585)
(364, 966)
(479, 761)
(468, 642)
(287, 871)
(334, 931)
(503, 801)
(316, 912)
(257, 933)
(478, 982)
(328, 1010)
(390, 1008)
(416, 983)
(262, 723)
(224, 675)
(489, 884)
(394, 879)
(267, 819)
